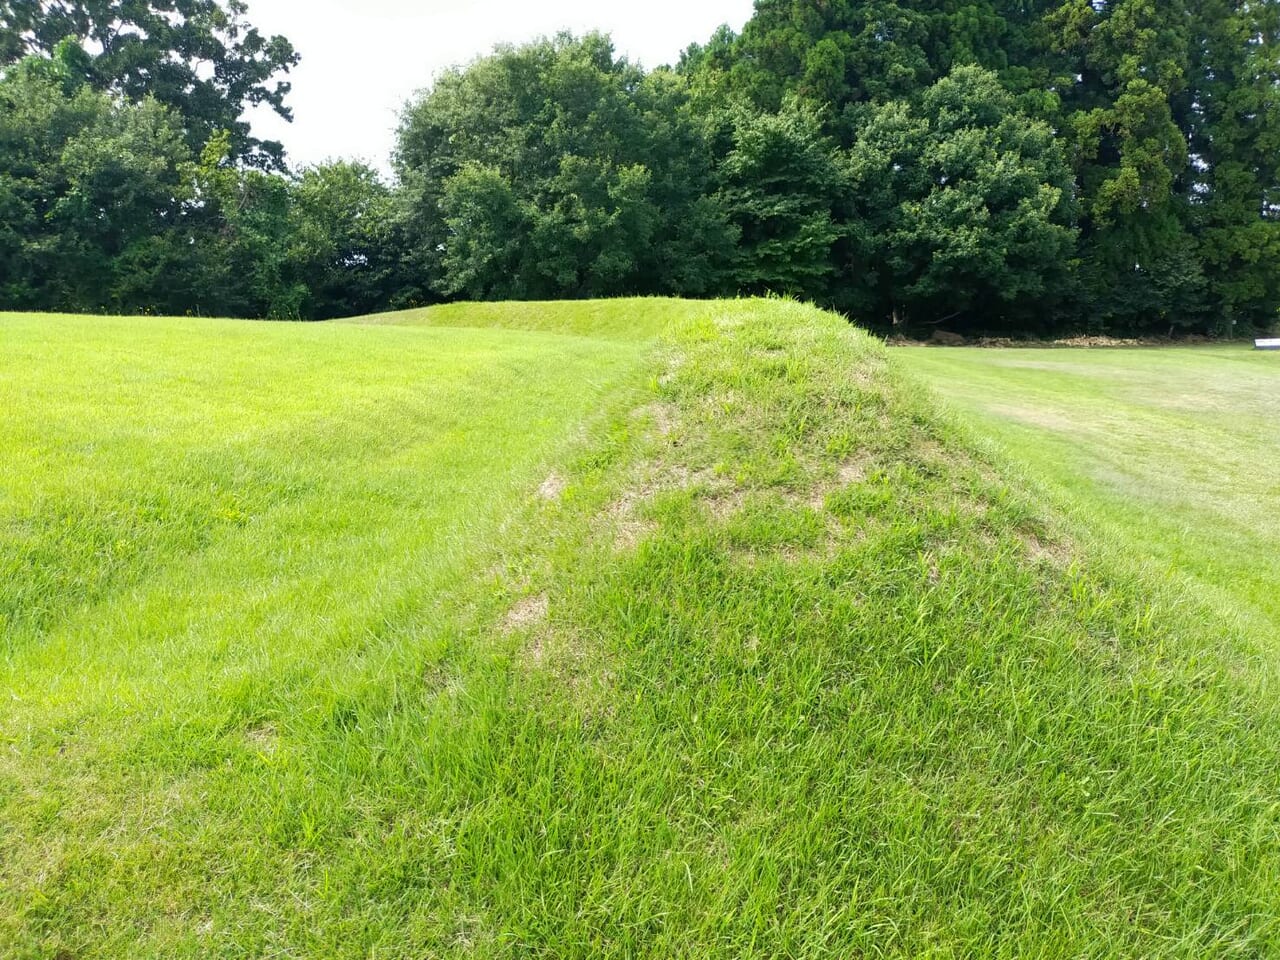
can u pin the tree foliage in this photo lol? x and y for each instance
(1166, 113)
(558, 170)
(782, 184)
(200, 58)
(964, 207)
(86, 185)
(1003, 166)
(106, 208)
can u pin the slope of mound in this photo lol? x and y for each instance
(764, 664)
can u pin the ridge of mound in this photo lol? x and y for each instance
(819, 683)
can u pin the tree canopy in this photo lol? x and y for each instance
(200, 58)
(965, 208)
(104, 206)
(559, 170)
(987, 166)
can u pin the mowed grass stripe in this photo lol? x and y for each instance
(214, 531)
(132, 436)
(628, 318)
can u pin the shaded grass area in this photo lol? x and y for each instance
(1169, 456)
(776, 666)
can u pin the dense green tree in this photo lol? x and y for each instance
(85, 184)
(1166, 111)
(237, 238)
(199, 57)
(840, 53)
(1129, 60)
(558, 170)
(1231, 115)
(106, 209)
(781, 183)
(488, 234)
(962, 210)
(343, 244)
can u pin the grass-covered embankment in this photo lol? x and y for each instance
(764, 663)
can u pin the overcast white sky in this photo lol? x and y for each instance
(361, 59)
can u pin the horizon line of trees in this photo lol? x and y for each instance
(1011, 167)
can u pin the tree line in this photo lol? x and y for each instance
(983, 166)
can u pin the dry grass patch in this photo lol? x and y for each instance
(526, 614)
(552, 488)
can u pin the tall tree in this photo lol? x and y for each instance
(105, 209)
(201, 58)
(842, 55)
(1128, 66)
(962, 209)
(343, 243)
(239, 233)
(781, 183)
(1168, 113)
(85, 184)
(1231, 115)
(559, 170)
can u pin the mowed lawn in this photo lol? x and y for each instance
(213, 535)
(631, 629)
(1171, 456)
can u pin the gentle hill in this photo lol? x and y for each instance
(636, 318)
(704, 636)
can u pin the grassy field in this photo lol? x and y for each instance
(1170, 456)
(644, 629)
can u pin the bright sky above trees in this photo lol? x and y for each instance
(361, 59)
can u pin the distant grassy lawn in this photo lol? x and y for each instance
(1173, 455)
(639, 629)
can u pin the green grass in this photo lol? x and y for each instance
(1171, 456)
(704, 636)
(628, 319)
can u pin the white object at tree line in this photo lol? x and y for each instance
(1269, 344)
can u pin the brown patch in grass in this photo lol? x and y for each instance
(536, 650)
(629, 529)
(855, 469)
(1042, 551)
(552, 488)
(1106, 342)
(263, 739)
(724, 504)
(812, 494)
(528, 613)
(570, 667)
(663, 417)
(787, 555)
